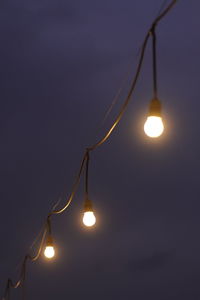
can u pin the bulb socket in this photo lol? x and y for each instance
(88, 205)
(155, 108)
(49, 242)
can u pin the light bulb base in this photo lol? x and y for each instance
(155, 108)
(49, 241)
(88, 205)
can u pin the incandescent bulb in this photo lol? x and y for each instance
(153, 126)
(89, 218)
(49, 252)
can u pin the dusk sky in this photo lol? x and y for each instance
(62, 62)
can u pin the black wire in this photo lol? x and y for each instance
(24, 277)
(49, 225)
(74, 188)
(162, 6)
(7, 291)
(165, 11)
(154, 61)
(127, 100)
(86, 174)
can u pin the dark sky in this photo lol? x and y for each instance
(61, 64)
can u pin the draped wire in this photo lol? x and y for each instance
(85, 159)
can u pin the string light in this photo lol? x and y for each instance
(89, 218)
(153, 127)
(49, 251)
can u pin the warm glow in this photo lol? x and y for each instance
(49, 252)
(153, 126)
(89, 218)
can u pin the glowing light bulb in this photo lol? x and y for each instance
(153, 126)
(49, 251)
(89, 218)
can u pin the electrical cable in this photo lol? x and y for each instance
(162, 7)
(74, 188)
(154, 61)
(119, 91)
(123, 107)
(86, 174)
(10, 283)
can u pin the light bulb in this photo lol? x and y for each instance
(153, 126)
(49, 251)
(89, 218)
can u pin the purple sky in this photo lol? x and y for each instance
(61, 64)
